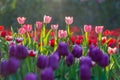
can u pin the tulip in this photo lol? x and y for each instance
(62, 49)
(72, 38)
(32, 53)
(69, 20)
(30, 76)
(38, 24)
(21, 31)
(19, 40)
(13, 65)
(21, 20)
(53, 61)
(85, 72)
(104, 61)
(1, 28)
(12, 51)
(3, 33)
(47, 74)
(86, 61)
(78, 41)
(52, 42)
(99, 29)
(62, 34)
(96, 54)
(77, 51)
(54, 26)
(11, 43)
(21, 52)
(112, 50)
(104, 39)
(106, 32)
(69, 59)
(8, 38)
(3, 68)
(42, 61)
(112, 42)
(47, 19)
(27, 27)
(87, 28)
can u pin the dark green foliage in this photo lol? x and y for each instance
(106, 13)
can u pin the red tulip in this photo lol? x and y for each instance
(3, 33)
(1, 28)
(32, 53)
(8, 38)
(106, 32)
(112, 42)
(52, 42)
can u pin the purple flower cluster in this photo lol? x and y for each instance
(47, 64)
(77, 51)
(18, 51)
(9, 67)
(31, 76)
(47, 74)
(98, 56)
(69, 59)
(62, 49)
(85, 65)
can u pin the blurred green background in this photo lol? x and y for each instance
(95, 12)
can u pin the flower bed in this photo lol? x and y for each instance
(35, 53)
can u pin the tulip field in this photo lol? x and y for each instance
(45, 52)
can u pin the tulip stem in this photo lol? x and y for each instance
(68, 30)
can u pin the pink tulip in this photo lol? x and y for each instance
(69, 20)
(87, 28)
(54, 26)
(21, 31)
(99, 29)
(47, 19)
(38, 24)
(27, 27)
(21, 20)
(112, 50)
(62, 34)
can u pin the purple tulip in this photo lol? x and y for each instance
(104, 61)
(62, 49)
(69, 59)
(53, 61)
(96, 54)
(85, 72)
(47, 74)
(57, 55)
(77, 51)
(21, 52)
(3, 68)
(12, 51)
(30, 76)
(42, 61)
(86, 61)
(13, 65)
